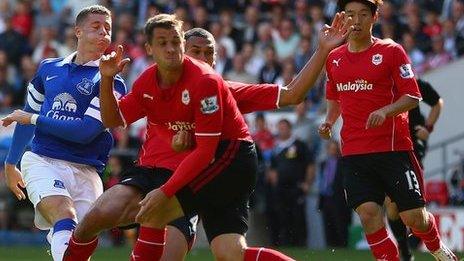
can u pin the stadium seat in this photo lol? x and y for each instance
(437, 191)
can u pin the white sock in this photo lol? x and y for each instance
(59, 244)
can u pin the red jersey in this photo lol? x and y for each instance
(364, 82)
(198, 102)
(156, 152)
(255, 97)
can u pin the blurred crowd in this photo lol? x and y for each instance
(258, 41)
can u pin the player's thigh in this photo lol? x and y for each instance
(230, 246)
(187, 227)
(87, 188)
(402, 177)
(46, 179)
(361, 184)
(117, 206)
(167, 212)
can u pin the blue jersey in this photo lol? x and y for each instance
(66, 91)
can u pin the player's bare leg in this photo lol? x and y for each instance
(152, 235)
(116, 207)
(176, 247)
(422, 224)
(399, 229)
(58, 211)
(382, 246)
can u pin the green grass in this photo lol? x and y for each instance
(115, 254)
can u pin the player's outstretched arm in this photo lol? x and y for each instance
(21, 137)
(79, 131)
(333, 112)
(110, 65)
(329, 38)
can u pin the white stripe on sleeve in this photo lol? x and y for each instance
(33, 104)
(37, 95)
(93, 113)
(208, 134)
(95, 102)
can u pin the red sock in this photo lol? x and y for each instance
(79, 251)
(149, 245)
(431, 237)
(261, 254)
(382, 247)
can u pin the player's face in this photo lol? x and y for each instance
(363, 20)
(202, 49)
(167, 48)
(94, 33)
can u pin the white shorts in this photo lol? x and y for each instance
(46, 176)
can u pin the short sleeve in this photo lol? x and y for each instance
(208, 106)
(255, 97)
(403, 74)
(331, 92)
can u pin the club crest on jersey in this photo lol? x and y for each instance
(209, 105)
(185, 97)
(58, 184)
(85, 86)
(406, 71)
(377, 59)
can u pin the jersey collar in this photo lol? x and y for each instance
(69, 59)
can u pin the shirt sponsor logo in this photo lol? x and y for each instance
(58, 184)
(377, 59)
(358, 85)
(63, 103)
(185, 97)
(180, 126)
(85, 86)
(406, 71)
(209, 105)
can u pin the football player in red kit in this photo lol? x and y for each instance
(372, 85)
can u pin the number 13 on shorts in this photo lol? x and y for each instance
(413, 184)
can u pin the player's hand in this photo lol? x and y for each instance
(421, 132)
(18, 116)
(182, 141)
(325, 131)
(14, 181)
(376, 118)
(150, 204)
(113, 63)
(272, 178)
(334, 35)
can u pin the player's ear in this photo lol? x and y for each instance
(148, 48)
(376, 16)
(77, 32)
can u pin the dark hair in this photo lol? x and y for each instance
(165, 21)
(286, 122)
(93, 9)
(199, 32)
(373, 4)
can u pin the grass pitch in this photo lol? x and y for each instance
(115, 254)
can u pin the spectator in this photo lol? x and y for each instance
(289, 178)
(263, 137)
(271, 69)
(253, 63)
(417, 56)
(22, 20)
(440, 56)
(286, 40)
(223, 62)
(304, 53)
(288, 73)
(13, 43)
(48, 46)
(336, 214)
(238, 72)
(249, 32)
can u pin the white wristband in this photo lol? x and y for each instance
(34, 118)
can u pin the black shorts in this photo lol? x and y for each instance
(148, 179)
(371, 177)
(221, 192)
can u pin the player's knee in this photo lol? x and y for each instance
(369, 212)
(56, 208)
(228, 252)
(415, 219)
